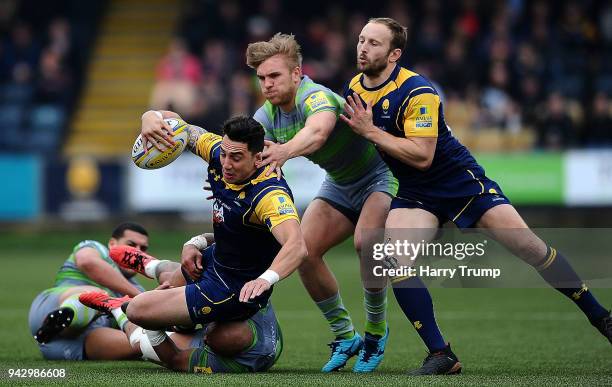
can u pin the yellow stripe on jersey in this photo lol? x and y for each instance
(261, 177)
(205, 144)
(275, 208)
(421, 116)
(376, 95)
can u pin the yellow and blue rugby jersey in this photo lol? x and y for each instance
(408, 105)
(244, 214)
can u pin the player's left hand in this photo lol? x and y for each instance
(191, 261)
(253, 289)
(275, 155)
(360, 116)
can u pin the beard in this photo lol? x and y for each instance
(373, 69)
(282, 98)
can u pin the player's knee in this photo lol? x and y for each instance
(136, 312)
(310, 262)
(357, 242)
(315, 249)
(229, 338)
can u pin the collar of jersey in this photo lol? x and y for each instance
(392, 76)
(305, 78)
(260, 175)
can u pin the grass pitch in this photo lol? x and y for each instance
(502, 336)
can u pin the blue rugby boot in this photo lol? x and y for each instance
(371, 353)
(341, 351)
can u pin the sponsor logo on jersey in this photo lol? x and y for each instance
(423, 118)
(317, 100)
(202, 370)
(283, 207)
(217, 213)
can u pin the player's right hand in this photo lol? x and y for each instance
(191, 261)
(155, 131)
(274, 155)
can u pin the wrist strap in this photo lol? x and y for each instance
(271, 276)
(199, 241)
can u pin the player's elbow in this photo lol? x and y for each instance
(424, 163)
(300, 250)
(303, 252)
(87, 264)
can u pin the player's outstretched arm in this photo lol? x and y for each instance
(88, 260)
(288, 259)
(155, 130)
(308, 140)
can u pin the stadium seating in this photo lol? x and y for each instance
(133, 35)
(46, 123)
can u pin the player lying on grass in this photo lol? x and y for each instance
(439, 180)
(253, 345)
(62, 326)
(258, 240)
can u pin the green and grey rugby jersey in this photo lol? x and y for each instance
(345, 156)
(70, 275)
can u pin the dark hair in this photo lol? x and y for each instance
(399, 33)
(120, 229)
(247, 130)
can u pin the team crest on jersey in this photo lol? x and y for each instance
(385, 105)
(317, 100)
(423, 118)
(217, 213)
(283, 207)
(206, 310)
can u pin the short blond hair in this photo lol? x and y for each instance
(279, 44)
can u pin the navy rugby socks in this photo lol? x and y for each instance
(558, 272)
(414, 299)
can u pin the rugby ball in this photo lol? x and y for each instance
(153, 158)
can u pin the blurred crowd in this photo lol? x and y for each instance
(541, 67)
(43, 48)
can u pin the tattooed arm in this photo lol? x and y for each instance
(194, 134)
